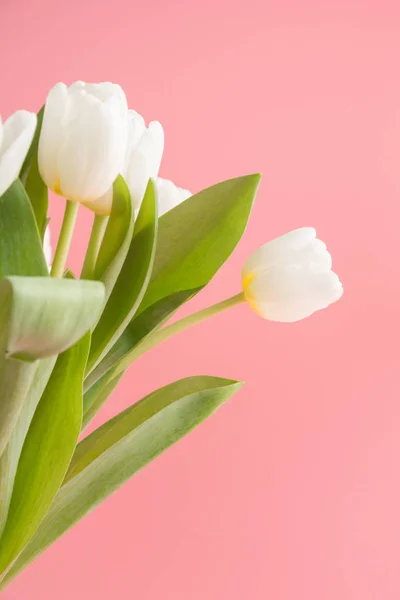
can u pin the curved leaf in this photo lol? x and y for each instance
(198, 235)
(15, 378)
(33, 148)
(194, 240)
(94, 398)
(10, 457)
(34, 184)
(39, 317)
(124, 445)
(21, 250)
(47, 451)
(131, 283)
(117, 237)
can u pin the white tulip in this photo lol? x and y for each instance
(83, 140)
(142, 160)
(16, 136)
(47, 247)
(169, 195)
(290, 277)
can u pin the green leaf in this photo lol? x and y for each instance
(39, 317)
(34, 184)
(94, 398)
(15, 378)
(21, 250)
(47, 451)
(124, 445)
(194, 240)
(131, 283)
(10, 457)
(33, 148)
(197, 237)
(138, 329)
(117, 237)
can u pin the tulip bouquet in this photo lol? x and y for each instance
(66, 341)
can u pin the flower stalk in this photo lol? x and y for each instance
(96, 236)
(64, 241)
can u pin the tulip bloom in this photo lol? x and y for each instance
(83, 139)
(290, 277)
(15, 139)
(142, 160)
(169, 195)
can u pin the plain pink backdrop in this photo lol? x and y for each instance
(292, 490)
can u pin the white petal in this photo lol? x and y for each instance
(292, 292)
(1, 132)
(278, 250)
(169, 195)
(93, 148)
(51, 135)
(144, 161)
(102, 205)
(136, 129)
(17, 135)
(104, 92)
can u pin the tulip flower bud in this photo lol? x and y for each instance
(142, 160)
(15, 139)
(290, 277)
(169, 195)
(83, 139)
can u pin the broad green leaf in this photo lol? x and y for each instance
(194, 240)
(21, 253)
(34, 184)
(117, 237)
(113, 453)
(15, 378)
(10, 457)
(21, 250)
(197, 236)
(131, 283)
(39, 317)
(138, 329)
(94, 398)
(47, 451)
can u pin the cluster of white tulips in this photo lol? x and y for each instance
(66, 341)
(89, 137)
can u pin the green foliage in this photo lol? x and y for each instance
(124, 445)
(47, 451)
(62, 336)
(34, 184)
(21, 250)
(131, 283)
(117, 237)
(194, 240)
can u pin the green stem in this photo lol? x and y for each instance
(64, 241)
(161, 335)
(96, 236)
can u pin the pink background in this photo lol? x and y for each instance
(292, 490)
